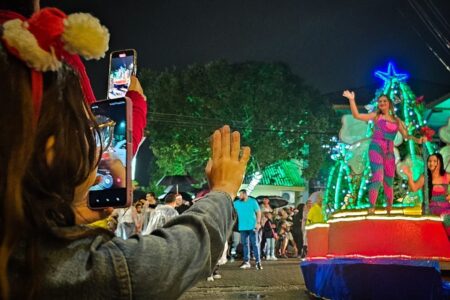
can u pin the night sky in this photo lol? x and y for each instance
(331, 44)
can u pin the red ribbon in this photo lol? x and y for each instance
(37, 86)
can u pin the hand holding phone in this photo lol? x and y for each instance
(114, 187)
(122, 66)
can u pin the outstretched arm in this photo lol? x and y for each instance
(351, 98)
(414, 186)
(172, 258)
(404, 132)
(136, 94)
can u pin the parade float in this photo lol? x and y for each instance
(399, 255)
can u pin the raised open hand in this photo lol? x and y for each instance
(350, 95)
(227, 165)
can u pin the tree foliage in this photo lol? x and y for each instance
(278, 115)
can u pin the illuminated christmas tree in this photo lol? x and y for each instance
(347, 186)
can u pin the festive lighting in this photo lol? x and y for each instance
(347, 190)
(350, 214)
(386, 218)
(391, 74)
(361, 256)
(317, 225)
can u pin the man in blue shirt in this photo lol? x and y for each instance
(249, 216)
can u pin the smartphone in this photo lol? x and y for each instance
(122, 64)
(113, 188)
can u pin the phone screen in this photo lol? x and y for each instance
(122, 66)
(112, 173)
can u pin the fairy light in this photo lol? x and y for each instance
(347, 217)
(349, 179)
(412, 150)
(328, 190)
(395, 256)
(362, 187)
(338, 185)
(317, 225)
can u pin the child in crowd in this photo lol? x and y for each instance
(270, 235)
(138, 217)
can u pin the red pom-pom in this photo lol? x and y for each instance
(47, 25)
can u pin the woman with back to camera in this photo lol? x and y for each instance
(381, 148)
(23, 10)
(47, 166)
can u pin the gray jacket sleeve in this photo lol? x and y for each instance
(172, 259)
(158, 266)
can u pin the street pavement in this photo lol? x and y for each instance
(281, 279)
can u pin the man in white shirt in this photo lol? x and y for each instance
(162, 214)
(125, 221)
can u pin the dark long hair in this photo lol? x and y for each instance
(430, 176)
(35, 197)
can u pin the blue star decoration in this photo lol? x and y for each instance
(391, 74)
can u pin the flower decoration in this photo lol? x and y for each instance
(352, 130)
(420, 99)
(49, 35)
(24, 45)
(427, 132)
(85, 35)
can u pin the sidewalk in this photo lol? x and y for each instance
(280, 279)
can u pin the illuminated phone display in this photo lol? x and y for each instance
(113, 173)
(121, 66)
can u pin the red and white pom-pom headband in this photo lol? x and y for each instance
(44, 40)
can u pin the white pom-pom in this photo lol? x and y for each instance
(84, 35)
(18, 37)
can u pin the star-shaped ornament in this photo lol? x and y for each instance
(391, 74)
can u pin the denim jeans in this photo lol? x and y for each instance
(253, 236)
(270, 243)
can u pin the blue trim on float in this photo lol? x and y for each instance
(374, 279)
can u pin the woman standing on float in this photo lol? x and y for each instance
(381, 148)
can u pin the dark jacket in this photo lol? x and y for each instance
(268, 230)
